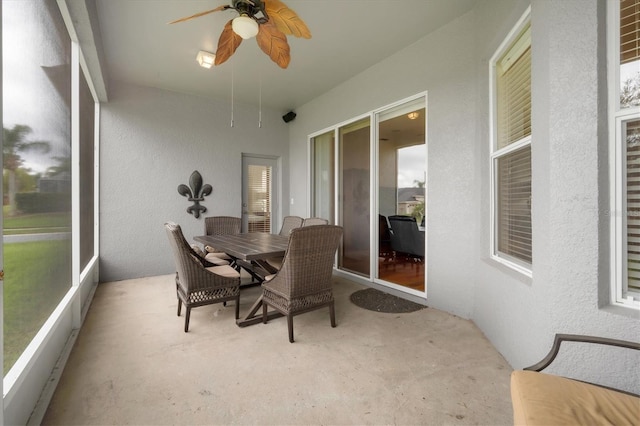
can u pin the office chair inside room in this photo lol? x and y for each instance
(407, 241)
(385, 251)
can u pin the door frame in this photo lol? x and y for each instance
(276, 187)
(372, 280)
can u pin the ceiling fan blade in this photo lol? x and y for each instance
(197, 15)
(274, 43)
(227, 44)
(285, 19)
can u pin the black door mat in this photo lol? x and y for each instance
(376, 300)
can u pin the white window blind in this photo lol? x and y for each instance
(259, 198)
(623, 35)
(629, 31)
(513, 75)
(514, 204)
(511, 169)
(631, 136)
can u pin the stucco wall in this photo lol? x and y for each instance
(570, 200)
(152, 141)
(567, 293)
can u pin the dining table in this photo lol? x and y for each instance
(250, 251)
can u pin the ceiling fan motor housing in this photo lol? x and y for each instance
(251, 8)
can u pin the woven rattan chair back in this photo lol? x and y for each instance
(311, 221)
(304, 283)
(197, 285)
(289, 223)
(222, 225)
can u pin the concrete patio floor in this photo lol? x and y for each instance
(133, 364)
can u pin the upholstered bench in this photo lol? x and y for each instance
(545, 399)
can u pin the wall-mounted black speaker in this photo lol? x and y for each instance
(290, 116)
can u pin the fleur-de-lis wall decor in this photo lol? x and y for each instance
(196, 193)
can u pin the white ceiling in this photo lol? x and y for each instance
(348, 36)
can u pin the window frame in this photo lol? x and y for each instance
(619, 295)
(498, 153)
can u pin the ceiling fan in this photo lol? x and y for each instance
(270, 21)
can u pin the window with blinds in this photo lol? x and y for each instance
(631, 136)
(629, 31)
(259, 198)
(513, 79)
(511, 156)
(629, 45)
(623, 33)
(514, 204)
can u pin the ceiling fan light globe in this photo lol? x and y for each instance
(245, 27)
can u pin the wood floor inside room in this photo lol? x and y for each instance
(407, 273)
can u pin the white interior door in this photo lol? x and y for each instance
(260, 193)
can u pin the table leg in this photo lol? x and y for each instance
(266, 266)
(251, 317)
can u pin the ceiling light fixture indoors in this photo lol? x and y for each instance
(413, 115)
(205, 59)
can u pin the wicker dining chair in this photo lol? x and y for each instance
(304, 282)
(311, 221)
(289, 223)
(199, 282)
(220, 225)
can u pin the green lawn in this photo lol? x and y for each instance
(36, 223)
(36, 277)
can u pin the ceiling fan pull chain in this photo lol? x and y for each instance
(233, 72)
(232, 83)
(260, 101)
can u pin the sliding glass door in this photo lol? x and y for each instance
(372, 173)
(354, 198)
(322, 176)
(401, 165)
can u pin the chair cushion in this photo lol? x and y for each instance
(544, 399)
(197, 249)
(225, 271)
(217, 258)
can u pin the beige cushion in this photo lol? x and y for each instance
(225, 271)
(197, 249)
(216, 252)
(218, 260)
(544, 399)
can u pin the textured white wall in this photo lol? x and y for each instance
(152, 141)
(570, 236)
